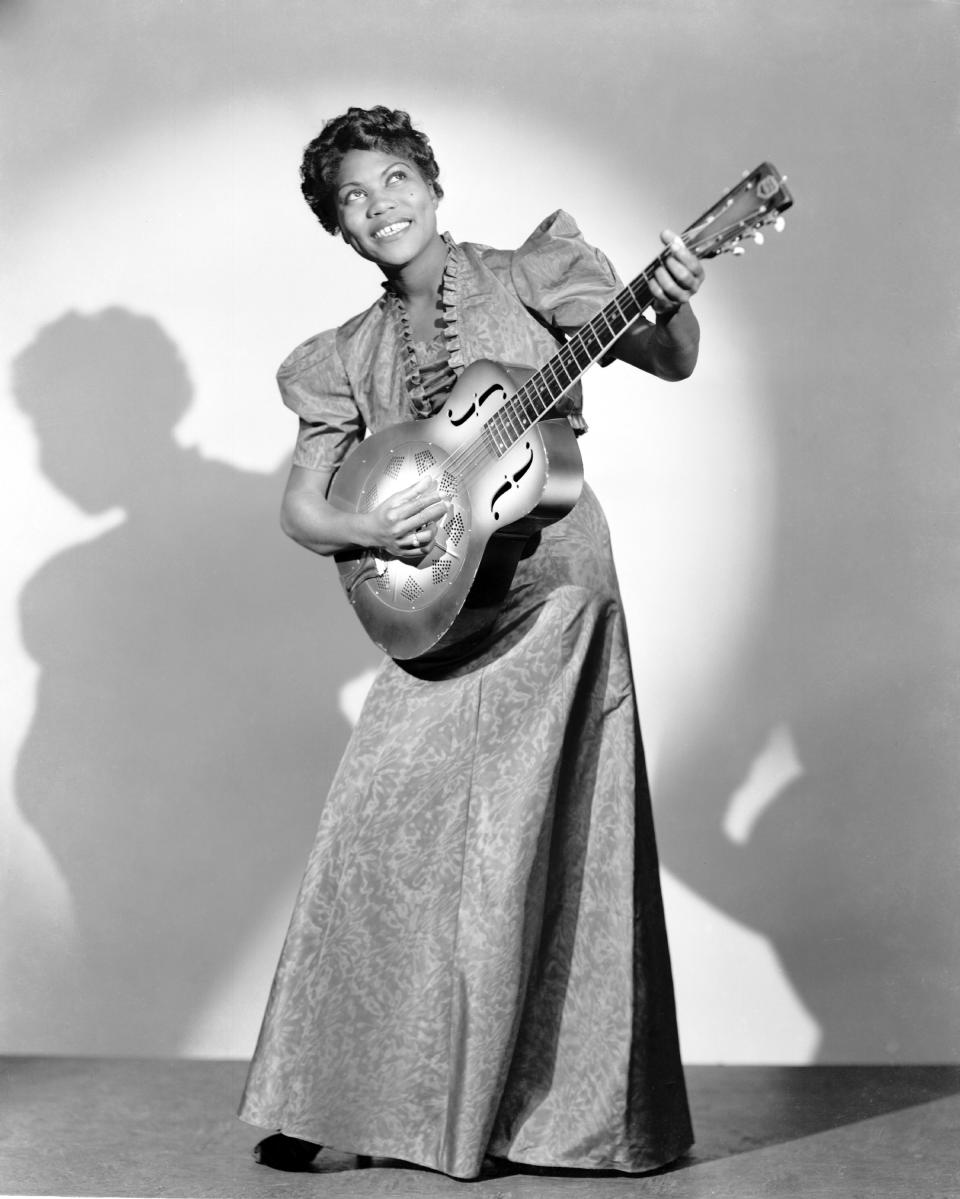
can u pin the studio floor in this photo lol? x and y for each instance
(123, 1127)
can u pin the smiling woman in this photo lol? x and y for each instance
(477, 960)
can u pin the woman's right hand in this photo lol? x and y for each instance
(406, 523)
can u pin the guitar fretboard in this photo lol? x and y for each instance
(591, 341)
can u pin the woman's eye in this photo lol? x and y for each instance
(398, 174)
(353, 194)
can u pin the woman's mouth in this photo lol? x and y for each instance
(392, 230)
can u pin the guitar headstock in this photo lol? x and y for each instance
(758, 200)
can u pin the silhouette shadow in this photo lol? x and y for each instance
(186, 725)
(849, 867)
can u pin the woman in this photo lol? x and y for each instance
(477, 962)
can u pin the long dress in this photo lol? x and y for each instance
(477, 961)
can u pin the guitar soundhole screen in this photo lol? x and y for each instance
(441, 570)
(411, 590)
(369, 501)
(383, 582)
(455, 529)
(394, 467)
(424, 460)
(449, 484)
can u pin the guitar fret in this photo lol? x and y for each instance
(495, 426)
(503, 428)
(640, 292)
(591, 340)
(561, 365)
(629, 302)
(541, 396)
(493, 434)
(559, 386)
(578, 348)
(508, 423)
(544, 386)
(527, 404)
(602, 315)
(516, 425)
(617, 304)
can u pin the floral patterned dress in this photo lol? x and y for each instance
(477, 961)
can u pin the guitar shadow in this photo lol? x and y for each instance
(186, 725)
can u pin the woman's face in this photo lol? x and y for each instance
(387, 210)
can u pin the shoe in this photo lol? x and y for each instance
(281, 1152)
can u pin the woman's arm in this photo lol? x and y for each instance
(404, 524)
(669, 348)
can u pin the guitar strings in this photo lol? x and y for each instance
(463, 461)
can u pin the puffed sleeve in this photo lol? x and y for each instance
(314, 385)
(562, 277)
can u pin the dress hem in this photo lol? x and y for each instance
(390, 1152)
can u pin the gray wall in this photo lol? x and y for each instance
(173, 705)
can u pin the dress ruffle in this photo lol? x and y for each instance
(428, 381)
(449, 300)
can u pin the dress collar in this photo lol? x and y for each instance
(420, 399)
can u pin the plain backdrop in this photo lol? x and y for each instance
(178, 680)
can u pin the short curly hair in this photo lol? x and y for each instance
(377, 128)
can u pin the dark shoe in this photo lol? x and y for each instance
(281, 1152)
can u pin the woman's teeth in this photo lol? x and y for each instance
(389, 230)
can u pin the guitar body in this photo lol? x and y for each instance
(500, 494)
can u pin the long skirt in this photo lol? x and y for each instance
(477, 961)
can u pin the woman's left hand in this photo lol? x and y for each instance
(677, 279)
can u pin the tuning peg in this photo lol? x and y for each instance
(758, 238)
(779, 224)
(738, 250)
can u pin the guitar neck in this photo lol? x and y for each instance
(758, 200)
(554, 379)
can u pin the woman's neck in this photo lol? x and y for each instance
(418, 281)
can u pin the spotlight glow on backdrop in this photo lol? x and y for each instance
(202, 229)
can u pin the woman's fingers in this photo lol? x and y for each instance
(410, 518)
(423, 528)
(413, 502)
(680, 274)
(434, 511)
(413, 514)
(417, 542)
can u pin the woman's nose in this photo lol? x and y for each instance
(379, 202)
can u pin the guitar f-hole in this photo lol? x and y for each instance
(512, 481)
(526, 466)
(475, 405)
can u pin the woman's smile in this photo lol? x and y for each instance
(392, 230)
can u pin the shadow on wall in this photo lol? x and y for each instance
(186, 726)
(840, 736)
